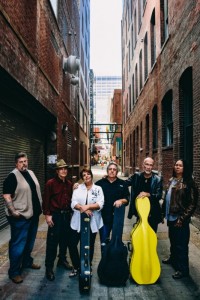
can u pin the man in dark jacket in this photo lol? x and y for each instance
(146, 184)
(115, 194)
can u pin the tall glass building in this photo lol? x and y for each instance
(103, 92)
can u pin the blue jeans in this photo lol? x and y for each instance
(23, 234)
(105, 235)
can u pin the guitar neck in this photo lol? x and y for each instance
(118, 222)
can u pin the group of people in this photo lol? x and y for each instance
(62, 204)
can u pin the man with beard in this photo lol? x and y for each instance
(22, 195)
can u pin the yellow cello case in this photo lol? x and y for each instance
(145, 265)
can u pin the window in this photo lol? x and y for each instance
(126, 108)
(145, 56)
(167, 121)
(64, 31)
(131, 8)
(133, 91)
(129, 91)
(139, 14)
(141, 142)
(147, 133)
(127, 148)
(136, 81)
(81, 116)
(137, 141)
(131, 149)
(85, 123)
(153, 39)
(135, 28)
(140, 71)
(132, 45)
(164, 20)
(69, 147)
(186, 115)
(155, 127)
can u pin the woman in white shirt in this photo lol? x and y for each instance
(87, 198)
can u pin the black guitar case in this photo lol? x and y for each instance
(113, 269)
(85, 268)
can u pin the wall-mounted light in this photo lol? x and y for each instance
(71, 64)
(64, 128)
(52, 136)
(74, 80)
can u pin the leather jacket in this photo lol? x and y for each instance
(135, 182)
(183, 200)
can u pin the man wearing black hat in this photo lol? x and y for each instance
(57, 211)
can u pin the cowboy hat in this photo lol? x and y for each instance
(60, 164)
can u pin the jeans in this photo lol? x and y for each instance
(105, 235)
(23, 234)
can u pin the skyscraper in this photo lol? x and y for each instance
(104, 87)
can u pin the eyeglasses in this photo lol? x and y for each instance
(112, 169)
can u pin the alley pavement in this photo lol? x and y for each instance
(36, 287)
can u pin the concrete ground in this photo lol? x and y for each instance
(35, 286)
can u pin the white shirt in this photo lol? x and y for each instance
(94, 195)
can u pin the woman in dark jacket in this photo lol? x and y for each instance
(179, 204)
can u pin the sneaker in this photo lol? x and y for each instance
(74, 273)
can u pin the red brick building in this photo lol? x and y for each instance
(116, 117)
(43, 102)
(161, 63)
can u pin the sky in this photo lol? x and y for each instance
(105, 36)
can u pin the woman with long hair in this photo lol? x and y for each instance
(179, 204)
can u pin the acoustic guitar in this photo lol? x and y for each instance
(113, 269)
(145, 265)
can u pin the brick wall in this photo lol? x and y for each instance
(32, 47)
(178, 56)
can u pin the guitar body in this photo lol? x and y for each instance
(145, 264)
(113, 269)
(85, 268)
